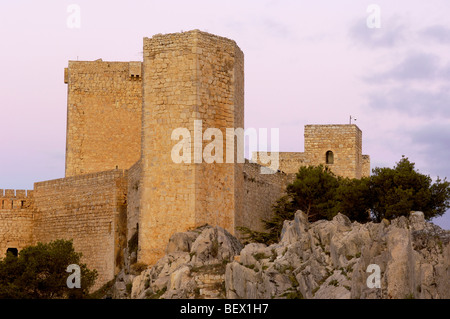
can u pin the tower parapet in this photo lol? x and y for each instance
(15, 199)
(16, 220)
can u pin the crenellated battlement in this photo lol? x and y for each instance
(15, 199)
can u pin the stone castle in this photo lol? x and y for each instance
(119, 175)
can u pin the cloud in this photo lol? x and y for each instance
(276, 28)
(419, 85)
(438, 33)
(434, 139)
(384, 37)
(412, 102)
(416, 66)
(445, 72)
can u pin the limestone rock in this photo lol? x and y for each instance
(321, 260)
(181, 242)
(214, 244)
(193, 267)
(119, 289)
(251, 253)
(330, 259)
(292, 230)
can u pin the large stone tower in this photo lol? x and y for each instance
(186, 77)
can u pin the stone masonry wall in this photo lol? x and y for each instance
(261, 191)
(187, 76)
(104, 107)
(16, 219)
(365, 170)
(91, 210)
(342, 140)
(289, 162)
(359, 156)
(133, 198)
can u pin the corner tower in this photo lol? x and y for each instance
(188, 76)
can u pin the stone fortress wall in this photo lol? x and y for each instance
(119, 173)
(89, 209)
(133, 198)
(261, 191)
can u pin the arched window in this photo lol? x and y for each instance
(329, 157)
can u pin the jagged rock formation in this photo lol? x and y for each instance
(193, 267)
(329, 259)
(325, 259)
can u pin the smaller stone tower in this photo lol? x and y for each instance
(337, 146)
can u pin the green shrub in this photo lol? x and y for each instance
(39, 272)
(387, 194)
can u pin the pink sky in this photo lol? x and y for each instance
(305, 63)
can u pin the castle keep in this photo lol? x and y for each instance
(120, 178)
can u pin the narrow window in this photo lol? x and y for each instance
(22, 203)
(12, 251)
(3, 204)
(329, 157)
(12, 204)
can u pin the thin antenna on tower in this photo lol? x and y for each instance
(352, 118)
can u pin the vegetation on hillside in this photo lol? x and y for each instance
(387, 194)
(39, 272)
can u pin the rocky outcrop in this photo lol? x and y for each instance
(193, 267)
(330, 259)
(334, 259)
